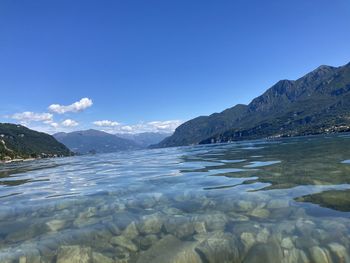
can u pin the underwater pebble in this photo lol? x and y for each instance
(339, 252)
(150, 224)
(200, 227)
(263, 236)
(287, 243)
(147, 241)
(248, 240)
(172, 251)
(124, 242)
(73, 254)
(56, 224)
(260, 213)
(245, 205)
(219, 247)
(319, 255)
(259, 253)
(100, 258)
(131, 231)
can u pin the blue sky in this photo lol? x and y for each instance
(148, 65)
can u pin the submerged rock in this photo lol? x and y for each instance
(100, 258)
(73, 254)
(248, 240)
(305, 227)
(286, 227)
(131, 231)
(244, 205)
(287, 243)
(113, 228)
(213, 222)
(319, 255)
(305, 242)
(153, 199)
(295, 256)
(56, 224)
(184, 230)
(25, 233)
(170, 250)
(148, 241)
(123, 219)
(263, 235)
(339, 253)
(124, 242)
(269, 253)
(151, 224)
(32, 256)
(235, 217)
(200, 227)
(219, 247)
(260, 213)
(81, 222)
(172, 224)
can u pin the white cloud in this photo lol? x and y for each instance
(29, 116)
(69, 123)
(54, 124)
(83, 104)
(164, 125)
(106, 123)
(153, 126)
(126, 128)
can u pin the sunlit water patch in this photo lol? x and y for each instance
(261, 201)
(256, 164)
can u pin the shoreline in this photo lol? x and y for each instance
(18, 160)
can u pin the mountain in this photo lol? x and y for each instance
(145, 139)
(19, 142)
(319, 102)
(94, 141)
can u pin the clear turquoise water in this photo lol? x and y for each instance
(261, 201)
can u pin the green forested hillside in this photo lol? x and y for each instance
(17, 141)
(319, 102)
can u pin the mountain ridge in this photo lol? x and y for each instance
(144, 139)
(94, 141)
(19, 142)
(314, 103)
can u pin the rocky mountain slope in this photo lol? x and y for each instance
(319, 102)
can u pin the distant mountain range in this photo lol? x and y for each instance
(145, 139)
(319, 102)
(19, 142)
(94, 141)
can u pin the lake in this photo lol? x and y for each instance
(272, 201)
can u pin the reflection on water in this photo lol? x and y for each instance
(261, 201)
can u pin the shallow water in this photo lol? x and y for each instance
(260, 201)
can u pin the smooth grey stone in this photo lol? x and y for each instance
(170, 250)
(269, 253)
